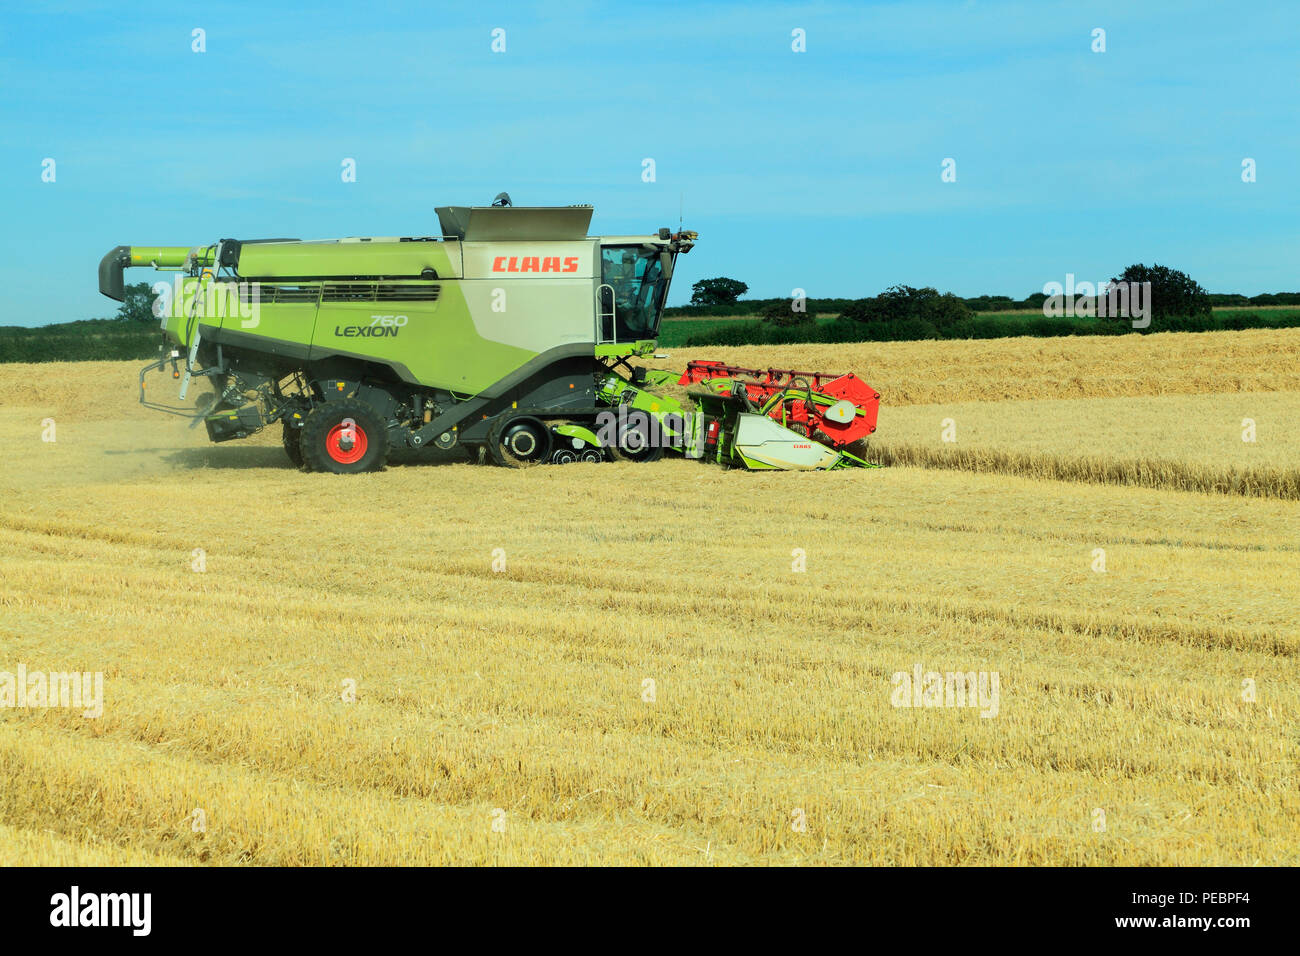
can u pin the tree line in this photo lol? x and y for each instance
(1175, 302)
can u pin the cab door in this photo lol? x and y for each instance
(630, 293)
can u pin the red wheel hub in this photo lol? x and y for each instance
(346, 444)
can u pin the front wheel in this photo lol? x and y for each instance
(344, 437)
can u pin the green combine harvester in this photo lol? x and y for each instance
(512, 335)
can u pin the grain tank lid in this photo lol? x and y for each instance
(494, 223)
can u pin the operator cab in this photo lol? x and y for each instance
(634, 283)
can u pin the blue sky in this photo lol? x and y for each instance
(818, 170)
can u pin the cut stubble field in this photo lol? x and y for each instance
(519, 697)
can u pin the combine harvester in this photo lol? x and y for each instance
(511, 335)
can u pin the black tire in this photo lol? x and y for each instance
(291, 446)
(521, 442)
(325, 444)
(634, 444)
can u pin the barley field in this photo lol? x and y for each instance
(996, 370)
(621, 663)
(1238, 443)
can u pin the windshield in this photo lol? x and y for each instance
(637, 277)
